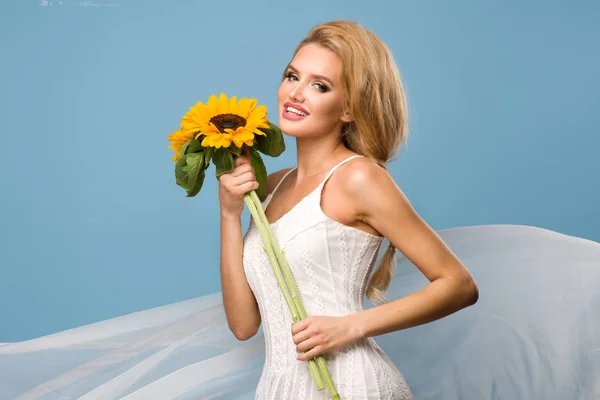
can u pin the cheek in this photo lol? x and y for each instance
(284, 87)
(329, 109)
(282, 92)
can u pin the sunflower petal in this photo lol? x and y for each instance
(244, 134)
(212, 105)
(201, 112)
(242, 108)
(223, 106)
(218, 142)
(188, 125)
(226, 142)
(253, 121)
(252, 105)
(232, 102)
(258, 132)
(212, 129)
(258, 113)
(238, 142)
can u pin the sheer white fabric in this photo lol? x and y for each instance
(534, 334)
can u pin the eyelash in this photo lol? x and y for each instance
(324, 88)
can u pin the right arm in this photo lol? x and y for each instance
(241, 308)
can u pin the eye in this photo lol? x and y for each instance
(321, 88)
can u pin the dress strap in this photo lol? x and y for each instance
(336, 167)
(319, 189)
(279, 183)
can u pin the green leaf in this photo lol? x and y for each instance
(193, 146)
(235, 150)
(195, 188)
(208, 154)
(195, 164)
(223, 160)
(272, 144)
(184, 148)
(181, 172)
(260, 172)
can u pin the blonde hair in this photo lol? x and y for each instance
(375, 98)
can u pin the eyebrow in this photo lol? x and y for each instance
(291, 67)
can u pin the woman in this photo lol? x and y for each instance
(342, 99)
(534, 336)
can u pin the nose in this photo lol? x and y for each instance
(297, 93)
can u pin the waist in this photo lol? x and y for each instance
(281, 358)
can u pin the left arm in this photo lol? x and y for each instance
(380, 203)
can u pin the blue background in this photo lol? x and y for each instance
(504, 107)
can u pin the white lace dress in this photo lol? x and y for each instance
(331, 263)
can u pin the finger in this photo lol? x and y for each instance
(317, 351)
(241, 159)
(246, 152)
(243, 178)
(301, 336)
(234, 183)
(248, 186)
(308, 344)
(300, 325)
(241, 170)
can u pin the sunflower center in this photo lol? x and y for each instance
(227, 121)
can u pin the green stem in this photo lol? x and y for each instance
(295, 295)
(264, 233)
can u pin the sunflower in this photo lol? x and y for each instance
(224, 121)
(178, 138)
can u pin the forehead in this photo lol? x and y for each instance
(318, 60)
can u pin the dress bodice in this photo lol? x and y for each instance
(331, 263)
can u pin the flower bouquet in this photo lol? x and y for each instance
(207, 133)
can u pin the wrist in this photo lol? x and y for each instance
(356, 326)
(229, 216)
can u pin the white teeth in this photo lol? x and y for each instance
(296, 111)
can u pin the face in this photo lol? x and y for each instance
(312, 86)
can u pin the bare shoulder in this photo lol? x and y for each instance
(365, 182)
(361, 170)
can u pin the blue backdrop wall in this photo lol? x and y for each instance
(504, 102)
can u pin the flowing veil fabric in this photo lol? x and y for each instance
(534, 334)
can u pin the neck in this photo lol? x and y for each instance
(317, 155)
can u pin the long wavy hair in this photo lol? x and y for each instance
(375, 98)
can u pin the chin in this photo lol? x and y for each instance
(291, 128)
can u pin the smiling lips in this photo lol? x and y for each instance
(293, 112)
